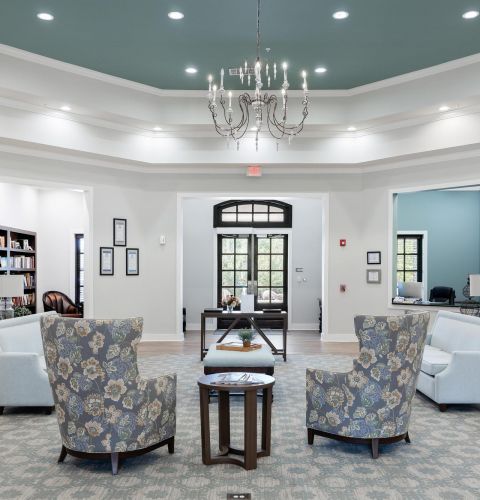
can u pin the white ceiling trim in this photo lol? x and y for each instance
(114, 80)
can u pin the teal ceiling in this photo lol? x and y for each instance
(134, 39)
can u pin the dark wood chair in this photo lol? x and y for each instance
(62, 304)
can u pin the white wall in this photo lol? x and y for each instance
(55, 215)
(199, 271)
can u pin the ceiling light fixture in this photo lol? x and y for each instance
(45, 16)
(471, 14)
(340, 14)
(66, 107)
(320, 70)
(157, 129)
(263, 105)
(444, 108)
(191, 70)
(352, 129)
(175, 15)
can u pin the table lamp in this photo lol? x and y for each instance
(474, 285)
(10, 286)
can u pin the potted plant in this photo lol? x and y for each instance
(21, 311)
(246, 336)
(231, 302)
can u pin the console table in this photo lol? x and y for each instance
(251, 317)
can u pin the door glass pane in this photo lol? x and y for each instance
(410, 276)
(230, 209)
(241, 262)
(401, 246)
(260, 217)
(227, 291)
(411, 262)
(260, 208)
(263, 262)
(240, 291)
(241, 245)
(277, 278)
(276, 209)
(277, 262)
(227, 278)
(241, 278)
(399, 277)
(227, 261)
(277, 295)
(399, 262)
(264, 295)
(411, 245)
(277, 245)
(263, 245)
(276, 217)
(228, 245)
(263, 278)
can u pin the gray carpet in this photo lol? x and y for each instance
(443, 460)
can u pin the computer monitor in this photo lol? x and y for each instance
(410, 289)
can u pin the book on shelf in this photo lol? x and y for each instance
(3, 262)
(3, 243)
(22, 262)
(24, 300)
(236, 378)
(28, 280)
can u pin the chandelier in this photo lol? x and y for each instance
(270, 110)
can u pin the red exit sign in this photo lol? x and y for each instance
(254, 171)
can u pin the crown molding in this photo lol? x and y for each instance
(140, 87)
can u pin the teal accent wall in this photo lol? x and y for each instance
(452, 220)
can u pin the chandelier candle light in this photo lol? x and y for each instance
(270, 111)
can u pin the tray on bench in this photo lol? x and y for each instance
(238, 347)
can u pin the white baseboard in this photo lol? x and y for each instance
(304, 326)
(196, 327)
(162, 337)
(339, 337)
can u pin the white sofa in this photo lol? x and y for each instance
(450, 372)
(23, 376)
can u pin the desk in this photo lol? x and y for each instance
(251, 317)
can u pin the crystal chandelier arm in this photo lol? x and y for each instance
(272, 119)
(228, 130)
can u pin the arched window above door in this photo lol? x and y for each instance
(252, 213)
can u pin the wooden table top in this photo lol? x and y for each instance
(214, 381)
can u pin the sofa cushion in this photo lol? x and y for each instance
(227, 359)
(43, 362)
(456, 332)
(435, 360)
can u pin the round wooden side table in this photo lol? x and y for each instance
(250, 453)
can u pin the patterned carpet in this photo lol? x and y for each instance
(443, 460)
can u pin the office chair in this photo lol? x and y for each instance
(442, 294)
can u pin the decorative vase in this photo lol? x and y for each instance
(229, 309)
(247, 343)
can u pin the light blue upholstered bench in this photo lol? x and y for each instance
(220, 361)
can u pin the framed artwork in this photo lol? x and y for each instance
(119, 232)
(132, 261)
(374, 258)
(106, 261)
(374, 276)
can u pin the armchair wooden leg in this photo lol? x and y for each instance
(114, 458)
(310, 436)
(171, 445)
(442, 407)
(1, 409)
(374, 448)
(63, 454)
(407, 438)
(49, 409)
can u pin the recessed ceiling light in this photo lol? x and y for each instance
(45, 16)
(66, 107)
(157, 129)
(321, 69)
(340, 14)
(352, 129)
(444, 108)
(254, 129)
(471, 14)
(175, 15)
(191, 70)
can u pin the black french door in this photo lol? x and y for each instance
(255, 264)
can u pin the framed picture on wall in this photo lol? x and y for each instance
(119, 232)
(374, 258)
(106, 261)
(374, 276)
(133, 261)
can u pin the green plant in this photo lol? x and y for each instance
(246, 335)
(21, 311)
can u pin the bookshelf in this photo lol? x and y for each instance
(18, 255)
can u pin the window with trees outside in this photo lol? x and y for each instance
(409, 257)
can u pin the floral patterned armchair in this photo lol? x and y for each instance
(104, 408)
(372, 403)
